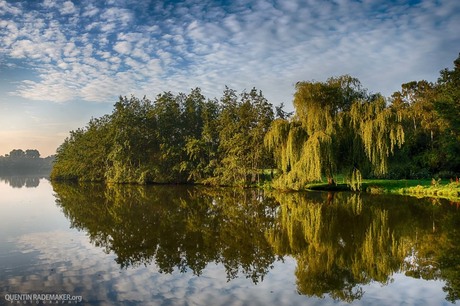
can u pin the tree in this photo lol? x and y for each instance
(281, 113)
(19, 161)
(32, 153)
(447, 106)
(170, 140)
(132, 141)
(429, 113)
(447, 103)
(201, 147)
(17, 153)
(423, 127)
(337, 127)
(243, 123)
(83, 155)
(168, 111)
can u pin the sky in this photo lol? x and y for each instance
(63, 62)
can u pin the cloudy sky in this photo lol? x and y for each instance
(62, 62)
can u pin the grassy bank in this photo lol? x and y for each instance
(419, 188)
(449, 191)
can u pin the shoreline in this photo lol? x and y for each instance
(446, 189)
(417, 188)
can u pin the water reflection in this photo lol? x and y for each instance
(341, 242)
(177, 228)
(20, 181)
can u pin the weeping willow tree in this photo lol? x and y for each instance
(337, 128)
(379, 130)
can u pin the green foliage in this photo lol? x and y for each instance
(379, 129)
(131, 140)
(449, 191)
(174, 139)
(84, 153)
(337, 127)
(243, 123)
(447, 106)
(430, 113)
(355, 180)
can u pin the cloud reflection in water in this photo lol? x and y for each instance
(66, 262)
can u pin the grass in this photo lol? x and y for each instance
(448, 190)
(420, 188)
(392, 186)
(430, 188)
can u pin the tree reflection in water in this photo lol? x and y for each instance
(340, 241)
(19, 181)
(177, 228)
(339, 246)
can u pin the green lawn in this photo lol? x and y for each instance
(421, 188)
(392, 186)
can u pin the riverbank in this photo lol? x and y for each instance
(419, 188)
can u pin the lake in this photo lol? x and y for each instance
(91, 244)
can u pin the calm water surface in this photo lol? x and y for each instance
(175, 245)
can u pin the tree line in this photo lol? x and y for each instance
(173, 139)
(338, 127)
(19, 161)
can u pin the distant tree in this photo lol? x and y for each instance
(19, 161)
(32, 153)
(17, 153)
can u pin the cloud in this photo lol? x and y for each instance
(6, 8)
(49, 4)
(69, 263)
(270, 45)
(90, 10)
(122, 47)
(49, 88)
(68, 8)
(22, 49)
(117, 15)
(10, 32)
